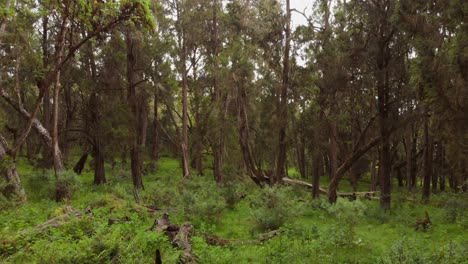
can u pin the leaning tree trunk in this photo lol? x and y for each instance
(10, 173)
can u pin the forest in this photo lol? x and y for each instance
(225, 131)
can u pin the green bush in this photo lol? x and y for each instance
(161, 196)
(41, 182)
(202, 201)
(66, 183)
(455, 210)
(272, 207)
(348, 211)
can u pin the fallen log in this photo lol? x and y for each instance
(58, 221)
(183, 241)
(178, 236)
(302, 183)
(369, 195)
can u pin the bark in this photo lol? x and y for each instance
(99, 169)
(374, 176)
(333, 186)
(282, 111)
(47, 154)
(10, 174)
(34, 122)
(257, 175)
(437, 168)
(221, 103)
(58, 164)
(333, 149)
(136, 159)
(156, 137)
(184, 139)
(427, 162)
(182, 45)
(442, 168)
(316, 176)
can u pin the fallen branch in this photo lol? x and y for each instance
(180, 237)
(302, 183)
(369, 195)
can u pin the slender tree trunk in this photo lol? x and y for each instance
(183, 71)
(383, 94)
(374, 176)
(136, 160)
(442, 168)
(409, 162)
(316, 175)
(47, 153)
(156, 137)
(436, 169)
(99, 169)
(333, 149)
(58, 164)
(427, 162)
(283, 106)
(218, 149)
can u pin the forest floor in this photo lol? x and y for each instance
(311, 231)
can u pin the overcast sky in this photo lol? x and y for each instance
(298, 19)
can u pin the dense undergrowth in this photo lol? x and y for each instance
(312, 230)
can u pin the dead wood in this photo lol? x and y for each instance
(112, 221)
(58, 221)
(302, 183)
(180, 237)
(368, 195)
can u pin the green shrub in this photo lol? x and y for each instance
(272, 207)
(66, 183)
(41, 182)
(455, 210)
(203, 202)
(348, 211)
(161, 196)
(233, 193)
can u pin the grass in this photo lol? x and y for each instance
(314, 232)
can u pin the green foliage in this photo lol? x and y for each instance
(202, 201)
(348, 211)
(272, 207)
(347, 232)
(66, 184)
(455, 210)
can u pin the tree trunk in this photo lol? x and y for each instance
(442, 168)
(10, 173)
(155, 146)
(333, 186)
(436, 168)
(99, 169)
(282, 110)
(316, 175)
(333, 149)
(374, 176)
(47, 153)
(427, 162)
(58, 164)
(183, 71)
(136, 160)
